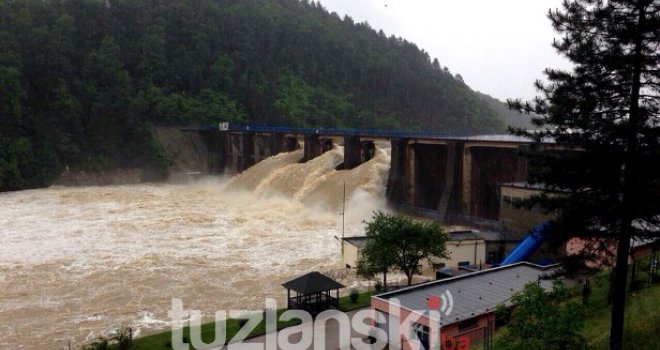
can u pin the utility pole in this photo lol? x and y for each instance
(343, 222)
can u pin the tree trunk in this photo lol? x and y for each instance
(619, 292)
(630, 178)
(409, 276)
(385, 280)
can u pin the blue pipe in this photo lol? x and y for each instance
(532, 242)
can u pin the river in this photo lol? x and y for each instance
(77, 262)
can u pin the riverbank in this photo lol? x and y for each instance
(105, 178)
(163, 341)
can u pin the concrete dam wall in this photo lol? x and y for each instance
(490, 168)
(214, 153)
(452, 178)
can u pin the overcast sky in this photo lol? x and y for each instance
(500, 47)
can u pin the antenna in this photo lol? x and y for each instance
(343, 212)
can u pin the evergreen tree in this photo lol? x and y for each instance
(604, 113)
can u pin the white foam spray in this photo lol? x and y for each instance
(78, 262)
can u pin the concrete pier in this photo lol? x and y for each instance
(397, 182)
(315, 146)
(450, 177)
(357, 151)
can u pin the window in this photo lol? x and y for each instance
(420, 332)
(492, 256)
(463, 263)
(510, 202)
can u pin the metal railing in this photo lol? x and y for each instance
(484, 224)
(348, 132)
(377, 133)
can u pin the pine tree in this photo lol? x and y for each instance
(604, 113)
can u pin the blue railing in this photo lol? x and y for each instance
(346, 132)
(366, 132)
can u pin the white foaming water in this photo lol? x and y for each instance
(77, 262)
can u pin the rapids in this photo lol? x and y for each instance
(76, 262)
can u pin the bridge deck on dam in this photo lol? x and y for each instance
(367, 133)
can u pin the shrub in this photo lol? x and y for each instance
(100, 344)
(543, 320)
(354, 296)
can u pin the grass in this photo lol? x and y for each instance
(642, 322)
(162, 341)
(642, 315)
(364, 300)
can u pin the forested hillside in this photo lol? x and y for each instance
(510, 117)
(82, 82)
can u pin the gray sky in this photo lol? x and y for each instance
(500, 47)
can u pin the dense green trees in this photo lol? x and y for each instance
(543, 319)
(396, 242)
(82, 81)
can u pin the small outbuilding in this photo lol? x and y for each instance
(352, 248)
(313, 293)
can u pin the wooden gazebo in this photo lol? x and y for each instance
(313, 293)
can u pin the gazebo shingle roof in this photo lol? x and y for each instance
(313, 282)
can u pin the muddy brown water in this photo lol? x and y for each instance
(76, 262)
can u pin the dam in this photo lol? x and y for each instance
(452, 177)
(78, 262)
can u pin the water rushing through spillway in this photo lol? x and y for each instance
(74, 262)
